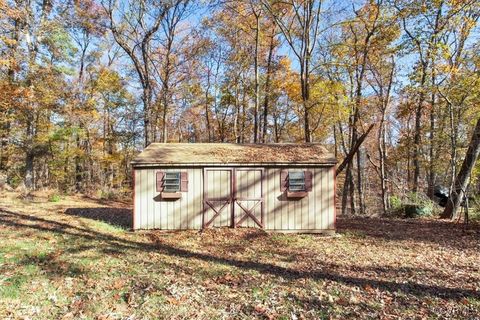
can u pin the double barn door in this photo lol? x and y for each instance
(233, 197)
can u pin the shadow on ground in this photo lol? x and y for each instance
(121, 217)
(440, 232)
(126, 245)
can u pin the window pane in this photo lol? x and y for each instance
(296, 175)
(297, 188)
(296, 181)
(171, 182)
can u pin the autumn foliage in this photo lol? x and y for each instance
(392, 87)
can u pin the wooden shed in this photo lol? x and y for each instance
(276, 187)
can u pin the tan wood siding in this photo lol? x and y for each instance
(151, 212)
(314, 212)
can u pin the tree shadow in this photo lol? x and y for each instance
(106, 202)
(120, 217)
(125, 245)
(439, 232)
(52, 267)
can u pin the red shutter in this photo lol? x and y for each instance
(308, 180)
(283, 180)
(160, 175)
(183, 181)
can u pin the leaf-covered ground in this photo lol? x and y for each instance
(76, 259)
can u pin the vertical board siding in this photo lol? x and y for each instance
(331, 198)
(153, 213)
(311, 204)
(137, 201)
(314, 212)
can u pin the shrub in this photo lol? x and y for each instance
(474, 209)
(423, 204)
(108, 195)
(395, 203)
(54, 198)
(412, 205)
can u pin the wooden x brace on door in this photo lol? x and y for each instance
(249, 213)
(217, 212)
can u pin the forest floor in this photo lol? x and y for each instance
(75, 258)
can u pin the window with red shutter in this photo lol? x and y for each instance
(297, 184)
(171, 184)
(160, 175)
(308, 180)
(283, 180)
(296, 181)
(184, 181)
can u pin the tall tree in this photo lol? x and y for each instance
(300, 26)
(423, 23)
(133, 25)
(370, 33)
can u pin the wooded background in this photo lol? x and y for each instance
(85, 85)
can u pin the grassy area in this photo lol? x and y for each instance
(75, 258)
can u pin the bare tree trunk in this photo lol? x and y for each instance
(348, 192)
(453, 147)
(29, 171)
(461, 181)
(267, 86)
(167, 72)
(257, 86)
(207, 118)
(335, 140)
(351, 188)
(417, 140)
(78, 165)
(305, 102)
(147, 98)
(383, 157)
(236, 123)
(207, 107)
(80, 143)
(431, 169)
(244, 117)
(382, 144)
(276, 128)
(164, 116)
(30, 156)
(409, 154)
(383, 174)
(361, 196)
